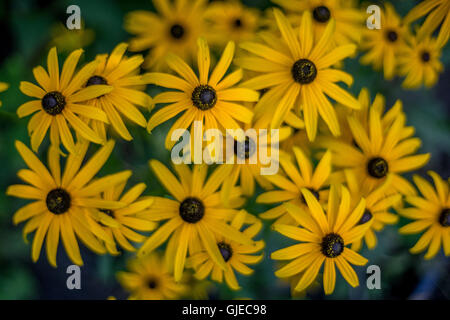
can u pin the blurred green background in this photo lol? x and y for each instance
(25, 36)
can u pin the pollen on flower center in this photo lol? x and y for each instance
(177, 31)
(225, 250)
(444, 218)
(391, 35)
(58, 201)
(191, 210)
(425, 56)
(96, 80)
(321, 14)
(377, 167)
(304, 71)
(244, 150)
(53, 103)
(315, 194)
(152, 283)
(366, 217)
(204, 97)
(332, 245)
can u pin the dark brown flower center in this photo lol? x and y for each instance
(315, 194)
(191, 210)
(332, 245)
(425, 56)
(366, 217)
(96, 80)
(377, 167)
(53, 103)
(177, 31)
(237, 23)
(58, 201)
(391, 35)
(444, 218)
(244, 150)
(152, 283)
(304, 71)
(225, 250)
(321, 14)
(204, 97)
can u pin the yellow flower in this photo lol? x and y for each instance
(236, 255)
(66, 40)
(349, 19)
(174, 29)
(383, 45)
(377, 213)
(231, 21)
(207, 98)
(194, 218)
(324, 239)
(379, 149)
(431, 212)
(297, 71)
(3, 87)
(149, 278)
(296, 178)
(420, 63)
(438, 12)
(60, 100)
(63, 205)
(122, 74)
(120, 224)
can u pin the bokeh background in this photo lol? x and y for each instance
(28, 28)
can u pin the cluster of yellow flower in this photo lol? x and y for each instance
(290, 64)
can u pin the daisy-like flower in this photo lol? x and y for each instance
(437, 11)
(174, 29)
(120, 224)
(61, 99)
(207, 98)
(349, 19)
(149, 278)
(236, 255)
(420, 63)
(195, 217)
(377, 213)
(297, 71)
(378, 151)
(231, 21)
(431, 212)
(3, 87)
(291, 183)
(383, 45)
(122, 74)
(63, 204)
(324, 238)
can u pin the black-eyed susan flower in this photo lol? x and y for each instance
(122, 74)
(292, 181)
(235, 254)
(231, 21)
(297, 72)
(209, 98)
(324, 239)
(174, 29)
(419, 63)
(379, 150)
(376, 214)
(349, 19)
(63, 204)
(384, 44)
(121, 224)
(431, 212)
(148, 278)
(194, 218)
(438, 14)
(61, 100)
(3, 87)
